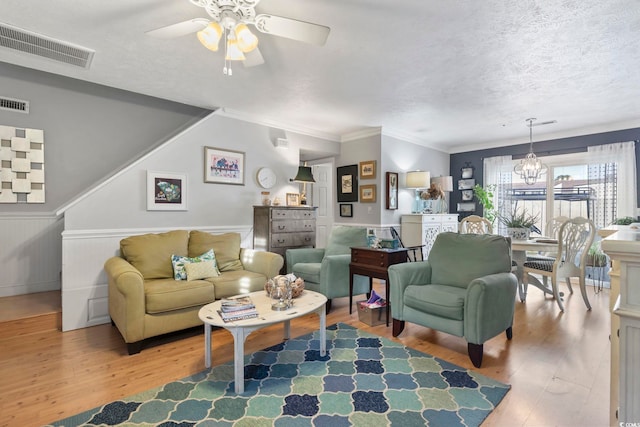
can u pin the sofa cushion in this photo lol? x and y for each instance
(308, 271)
(163, 295)
(201, 270)
(151, 253)
(343, 238)
(456, 259)
(231, 283)
(180, 262)
(226, 247)
(439, 300)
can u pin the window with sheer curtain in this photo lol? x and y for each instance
(599, 184)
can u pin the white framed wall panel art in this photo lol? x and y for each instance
(21, 165)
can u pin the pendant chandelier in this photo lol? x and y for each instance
(530, 168)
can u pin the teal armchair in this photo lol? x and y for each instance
(326, 270)
(465, 288)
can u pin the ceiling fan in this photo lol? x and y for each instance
(229, 22)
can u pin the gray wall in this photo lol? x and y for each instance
(391, 155)
(541, 149)
(121, 202)
(89, 130)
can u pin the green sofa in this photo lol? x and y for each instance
(326, 270)
(145, 300)
(465, 288)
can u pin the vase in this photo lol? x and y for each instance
(518, 233)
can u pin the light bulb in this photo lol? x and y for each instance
(247, 41)
(210, 36)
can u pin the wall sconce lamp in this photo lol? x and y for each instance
(417, 180)
(304, 176)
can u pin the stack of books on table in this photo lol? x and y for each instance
(237, 308)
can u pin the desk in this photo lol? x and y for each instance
(519, 250)
(374, 263)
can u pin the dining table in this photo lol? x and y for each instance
(519, 249)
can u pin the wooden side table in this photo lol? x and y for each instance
(374, 263)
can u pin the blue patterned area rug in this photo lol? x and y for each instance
(364, 380)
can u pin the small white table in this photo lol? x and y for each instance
(519, 250)
(306, 303)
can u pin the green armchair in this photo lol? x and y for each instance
(327, 270)
(465, 288)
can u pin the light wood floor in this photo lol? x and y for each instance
(557, 364)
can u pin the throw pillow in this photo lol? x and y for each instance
(201, 270)
(151, 253)
(178, 262)
(226, 246)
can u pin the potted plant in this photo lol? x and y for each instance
(485, 197)
(518, 223)
(624, 220)
(595, 256)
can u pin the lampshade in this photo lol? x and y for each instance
(247, 41)
(418, 179)
(444, 183)
(233, 51)
(304, 175)
(210, 36)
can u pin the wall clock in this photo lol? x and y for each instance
(266, 177)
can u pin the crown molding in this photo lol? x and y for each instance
(360, 134)
(404, 136)
(246, 117)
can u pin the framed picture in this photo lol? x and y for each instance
(223, 166)
(392, 190)
(293, 199)
(347, 183)
(466, 207)
(166, 191)
(368, 193)
(467, 195)
(467, 171)
(346, 210)
(368, 169)
(466, 184)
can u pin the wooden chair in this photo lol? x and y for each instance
(414, 253)
(474, 224)
(574, 239)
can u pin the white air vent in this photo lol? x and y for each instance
(17, 105)
(37, 44)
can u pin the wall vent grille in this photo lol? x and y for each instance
(16, 105)
(39, 45)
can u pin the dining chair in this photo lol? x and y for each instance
(474, 224)
(414, 253)
(574, 239)
(551, 231)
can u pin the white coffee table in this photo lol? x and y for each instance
(306, 303)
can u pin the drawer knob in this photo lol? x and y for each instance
(281, 227)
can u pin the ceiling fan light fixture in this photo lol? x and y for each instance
(233, 51)
(210, 36)
(247, 41)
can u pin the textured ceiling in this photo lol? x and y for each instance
(453, 75)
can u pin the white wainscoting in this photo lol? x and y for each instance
(84, 281)
(30, 253)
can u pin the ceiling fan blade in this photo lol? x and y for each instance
(179, 29)
(292, 29)
(253, 58)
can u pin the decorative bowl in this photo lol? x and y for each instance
(297, 285)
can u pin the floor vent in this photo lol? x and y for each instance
(37, 44)
(17, 105)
